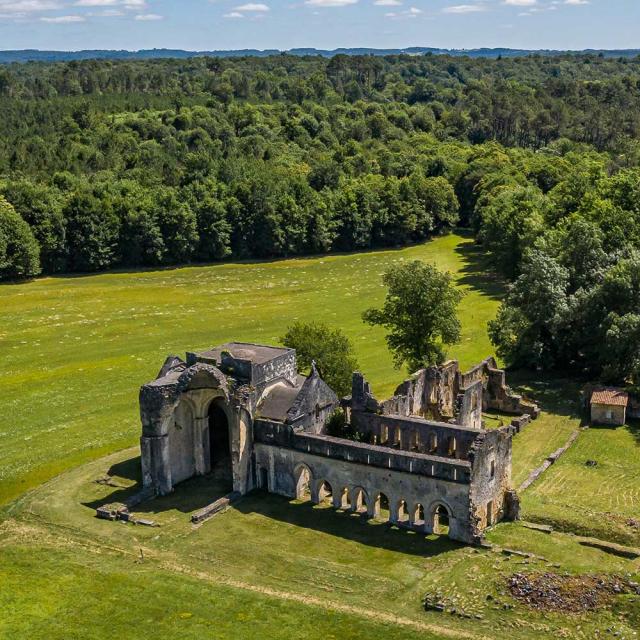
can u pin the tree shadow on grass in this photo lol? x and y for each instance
(344, 524)
(553, 394)
(634, 429)
(477, 271)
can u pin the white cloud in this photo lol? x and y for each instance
(97, 3)
(521, 3)
(107, 13)
(330, 3)
(233, 15)
(252, 6)
(387, 3)
(576, 2)
(464, 8)
(28, 6)
(148, 17)
(63, 19)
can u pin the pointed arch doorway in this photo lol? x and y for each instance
(219, 442)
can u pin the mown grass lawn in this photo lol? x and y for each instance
(75, 350)
(266, 568)
(602, 500)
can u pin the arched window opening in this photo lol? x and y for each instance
(325, 492)
(359, 500)
(219, 442)
(345, 500)
(381, 507)
(418, 515)
(441, 520)
(303, 483)
(453, 447)
(403, 512)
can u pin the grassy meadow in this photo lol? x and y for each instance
(267, 568)
(75, 350)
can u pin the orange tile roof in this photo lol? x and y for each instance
(610, 397)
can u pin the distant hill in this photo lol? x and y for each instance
(34, 55)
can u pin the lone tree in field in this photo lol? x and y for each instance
(419, 313)
(331, 350)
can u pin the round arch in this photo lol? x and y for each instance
(403, 510)
(441, 515)
(324, 490)
(303, 479)
(359, 499)
(382, 506)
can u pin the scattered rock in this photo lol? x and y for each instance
(573, 594)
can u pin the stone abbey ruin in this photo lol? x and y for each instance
(243, 413)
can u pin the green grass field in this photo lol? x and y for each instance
(268, 567)
(76, 350)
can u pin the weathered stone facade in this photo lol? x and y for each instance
(242, 412)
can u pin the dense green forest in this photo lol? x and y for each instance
(129, 163)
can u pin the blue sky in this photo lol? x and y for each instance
(283, 24)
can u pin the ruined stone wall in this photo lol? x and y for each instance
(436, 392)
(314, 405)
(499, 396)
(283, 366)
(491, 478)
(468, 411)
(181, 444)
(281, 467)
(415, 434)
(282, 435)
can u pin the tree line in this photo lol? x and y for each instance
(140, 163)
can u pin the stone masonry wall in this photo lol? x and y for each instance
(282, 468)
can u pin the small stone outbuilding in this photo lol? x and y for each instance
(609, 406)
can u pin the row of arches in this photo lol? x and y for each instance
(377, 505)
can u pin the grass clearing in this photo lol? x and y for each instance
(277, 567)
(76, 349)
(75, 352)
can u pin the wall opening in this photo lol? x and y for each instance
(381, 507)
(418, 515)
(433, 443)
(490, 520)
(359, 500)
(345, 500)
(453, 447)
(303, 482)
(264, 478)
(403, 512)
(441, 520)
(325, 492)
(493, 469)
(219, 442)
